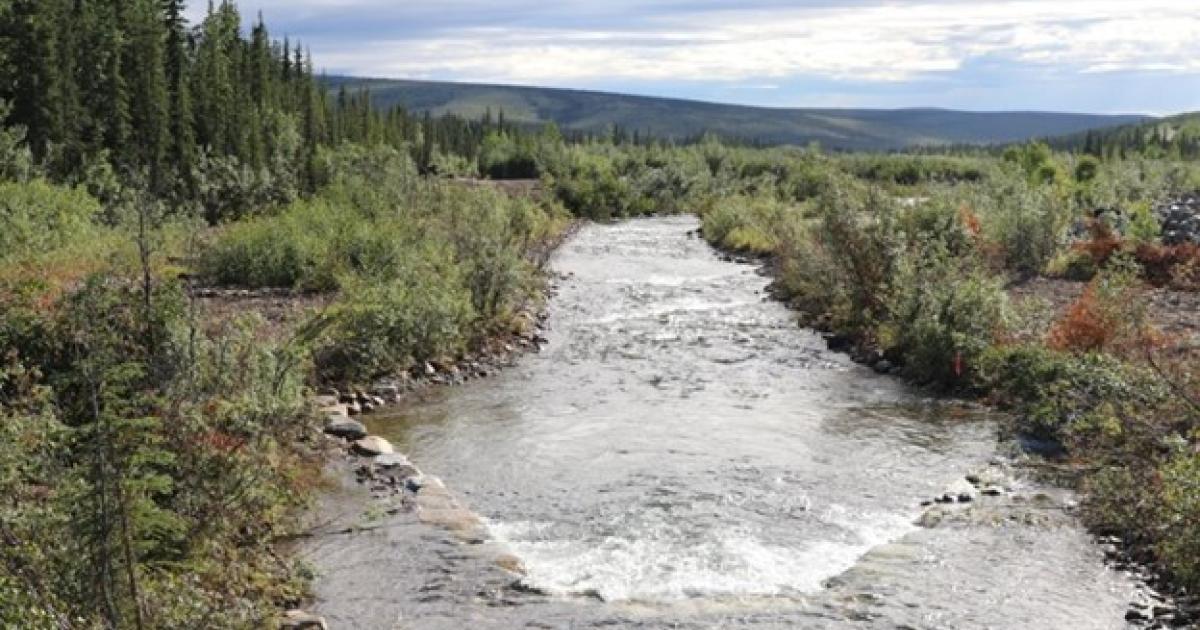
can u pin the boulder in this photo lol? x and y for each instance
(387, 461)
(385, 390)
(335, 410)
(343, 427)
(962, 490)
(325, 401)
(373, 445)
(301, 620)
(394, 466)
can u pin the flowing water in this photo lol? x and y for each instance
(682, 455)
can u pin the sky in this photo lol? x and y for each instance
(1103, 56)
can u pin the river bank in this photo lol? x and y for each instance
(360, 461)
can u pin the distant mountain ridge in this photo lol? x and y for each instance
(850, 129)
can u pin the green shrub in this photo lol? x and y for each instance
(387, 327)
(137, 449)
(37, 217)
(1143, 226)
(1055, 392)
(1178, 541)
(260, 253)
(1086, 169)
(591, 188)
(505, 157)
(1073, 264)
(943, 314)
(747, 224)
(1027, 223)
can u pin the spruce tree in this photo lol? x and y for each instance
(181, 137)
(146, 83)
(36, 85)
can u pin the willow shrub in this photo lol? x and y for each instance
(943, 314)
(37, 216)
(1179, 542)
(387, 327)
(266, 252)
(1024, 222)
(751, 224)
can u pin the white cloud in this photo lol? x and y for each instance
(869, 41)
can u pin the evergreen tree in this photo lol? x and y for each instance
(35, 85)
(181, 136)
(146, 84)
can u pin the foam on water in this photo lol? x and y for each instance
(662, 565)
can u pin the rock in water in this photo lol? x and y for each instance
(395, 466)
(345, 428)
(961, 490)
(391, 460)
(300, 620)
(372, 446)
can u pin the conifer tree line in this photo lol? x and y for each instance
(1177, 138)
(129, 83)
(217, 114)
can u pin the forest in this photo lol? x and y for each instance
(155, 449)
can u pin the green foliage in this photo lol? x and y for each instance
(1072, 264)
(747, 224)
(910, 170)
(38, 216)
(1143, 226)
(1086, 169)
(1026, 222)
(505, 157)
(1179, 541)
(1059, 393)
(943, 314)
(386, 327)
(1035, 160)
(134, 446)
(591, 187)
(268, 253)
(422, 266)
(16, 160)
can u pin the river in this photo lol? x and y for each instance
(682, 455)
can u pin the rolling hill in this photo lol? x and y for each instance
(674, 118)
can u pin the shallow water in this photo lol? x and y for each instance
(682, 455)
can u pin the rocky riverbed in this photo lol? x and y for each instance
(1180, 219)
